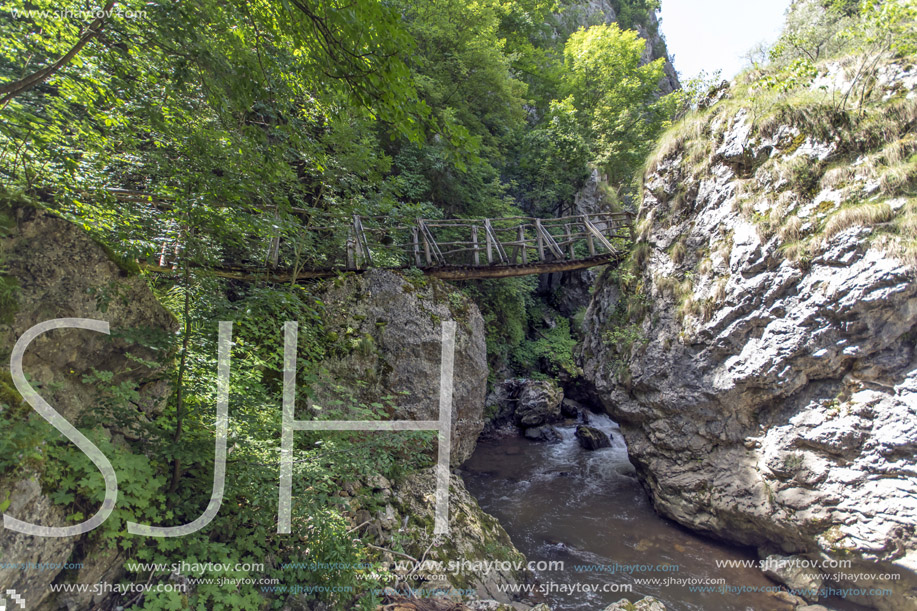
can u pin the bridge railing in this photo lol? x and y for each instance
(472, 242)
(435, 243)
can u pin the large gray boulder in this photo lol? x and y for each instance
(388, 328)
(538, 403)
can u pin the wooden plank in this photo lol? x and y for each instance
(445, 272)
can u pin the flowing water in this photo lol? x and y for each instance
(587, 509)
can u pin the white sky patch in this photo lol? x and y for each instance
(714, 34)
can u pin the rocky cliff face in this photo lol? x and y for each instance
(61, 273)
(389, 332)
(761, 351)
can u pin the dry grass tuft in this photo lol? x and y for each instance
(838, 177)
(678, 252)
(864, 215)
(900, 178)
(641, 254)
(791, 230)
(692, 128)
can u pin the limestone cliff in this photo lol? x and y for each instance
(60, 272)
(760, 348)
(388, 330)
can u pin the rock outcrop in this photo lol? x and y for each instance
(62, 273)
(388, 329)
(476, 540)
(529, 405)
(761, 358)
(591, 438)
(644, 604)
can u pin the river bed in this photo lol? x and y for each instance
(588, 510)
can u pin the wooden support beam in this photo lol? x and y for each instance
(273, 251)
(598, 235)
(351, 254)
(492, 239)
(362, 243)
(430, 247)
(568, 237)
(549, 239)
(520, 236)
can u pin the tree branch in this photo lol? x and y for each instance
(11, 90)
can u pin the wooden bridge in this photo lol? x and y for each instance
(451, 249)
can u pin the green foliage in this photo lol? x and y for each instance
(614, 97)
(631, 13)
(504, 305)
(811, 31)
(870, 31)
(550, 352)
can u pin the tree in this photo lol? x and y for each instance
(614, 95)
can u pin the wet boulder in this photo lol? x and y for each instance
(592, 439)
(538, 403)
(570, 408)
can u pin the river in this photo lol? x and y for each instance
(559, 502)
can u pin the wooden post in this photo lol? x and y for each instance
(351, 259)
(589, 240)
(490, 245)
(474, 242)
(416, 240)
(162, 255)
(569, 237)
(426, 247)
(520, 235)
(539, 240)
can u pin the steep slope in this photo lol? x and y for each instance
(759, 350)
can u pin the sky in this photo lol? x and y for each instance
(714, 34)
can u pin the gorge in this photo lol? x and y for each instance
(722, 415)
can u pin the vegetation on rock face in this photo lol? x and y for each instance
(824, 134)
